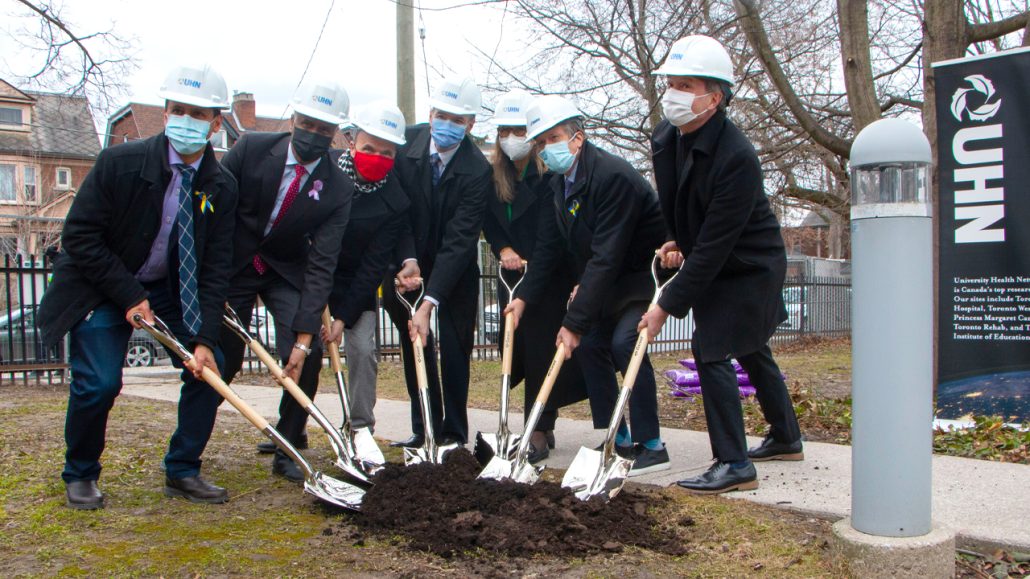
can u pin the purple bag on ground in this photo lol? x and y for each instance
(691, 364)
(682, 377)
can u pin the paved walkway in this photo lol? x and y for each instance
(986, 503)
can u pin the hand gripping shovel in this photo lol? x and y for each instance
(519, 469)
(360, 441)
(324, 487)
(343, 447)
(602, 473)
(503, 443)
(429, 451)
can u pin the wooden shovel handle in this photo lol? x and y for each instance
(509, 343)
(639, 351)
(420, 364)
(333, 347)
(552, 375)
(278, 373)
(216, 382)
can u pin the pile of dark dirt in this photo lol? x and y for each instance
(445, 510)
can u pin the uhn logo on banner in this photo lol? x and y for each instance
(982, 205)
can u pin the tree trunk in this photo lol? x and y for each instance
(858, 70)
(944, 37)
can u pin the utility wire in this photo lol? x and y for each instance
(311, 57)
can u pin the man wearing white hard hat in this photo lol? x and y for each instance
(522, 198)
(608, 224)
(377, 213)
(293, 210)
(147, 234)
(448, 181)
(726, 240)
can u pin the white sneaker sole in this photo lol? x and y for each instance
(649, 469)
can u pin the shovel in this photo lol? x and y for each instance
(429, 451)
(360, 441)
(503, 443)
(601, 473)
(324, 487)
(519, 469)
(346, 457)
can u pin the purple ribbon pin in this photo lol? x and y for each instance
(315, 188)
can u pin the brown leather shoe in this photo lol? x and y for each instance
(83, 495)
(195, 490)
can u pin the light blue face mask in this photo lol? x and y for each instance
(186, 134)
(558, 157)
(446, 134)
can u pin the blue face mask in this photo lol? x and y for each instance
(186, 134)
(446, 134)
(558, 157)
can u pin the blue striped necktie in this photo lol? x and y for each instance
(434, 159)
(187, 253)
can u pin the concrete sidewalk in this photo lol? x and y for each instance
(986, 503)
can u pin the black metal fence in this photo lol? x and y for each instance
(816, 306)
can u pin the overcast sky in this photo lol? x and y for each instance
(262, 46)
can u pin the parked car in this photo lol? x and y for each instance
(793, 299)
(492, 323)
(20, 341)
(144, 350)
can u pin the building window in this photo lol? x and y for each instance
(30, 185)
(10, 116)
(63, 181)
(8, 187)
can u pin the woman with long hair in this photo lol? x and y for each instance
(522, 200)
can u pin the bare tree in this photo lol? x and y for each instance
(62, 58)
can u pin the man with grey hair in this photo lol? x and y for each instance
(608, 224)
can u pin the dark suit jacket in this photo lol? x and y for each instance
(716, 209)
(111, 227)
(444, 224)
(304, 246)
(367, 249)
(611, 239)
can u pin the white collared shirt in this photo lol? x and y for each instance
(284, 185)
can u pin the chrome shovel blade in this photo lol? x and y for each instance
(488, 445)
(334, 491)
(413, 456)
(514, 470)
(590, 475)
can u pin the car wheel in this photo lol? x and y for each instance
(140, 355)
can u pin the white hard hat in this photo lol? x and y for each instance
(324, 101)
(199, 86)
(459, 96)
(698, 55)
(511, 109)
(381, 119)
(546, 112)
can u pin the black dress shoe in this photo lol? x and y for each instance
(195, 490)
(448, 439)
(414, 441)
(550, 438)
(627, 452)
(83, 495)
(268, 447)
(284, 466)
(721, 478)
(772, 450)
(538, 448)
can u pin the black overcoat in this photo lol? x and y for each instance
(304, 246)
(111, 227)
(367, 249)
(609, 228)
(716, 209)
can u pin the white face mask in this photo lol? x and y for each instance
(516, 147)
(678, 106)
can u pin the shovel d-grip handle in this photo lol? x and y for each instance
(162, 334)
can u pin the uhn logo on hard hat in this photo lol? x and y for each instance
(189, 82)
(676, 56)
(534, 121)
(323, 100)
(982, 85)
(388, 123)
(450, 94)
(512, 109)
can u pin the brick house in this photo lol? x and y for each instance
(48, 144)
(139, 121)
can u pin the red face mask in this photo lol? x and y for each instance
(372, 167)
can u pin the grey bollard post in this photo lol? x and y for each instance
(892, 330)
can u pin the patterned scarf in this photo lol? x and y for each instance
(346, 163)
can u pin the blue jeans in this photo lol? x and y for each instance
(96, 354)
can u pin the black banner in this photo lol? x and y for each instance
(983, 150)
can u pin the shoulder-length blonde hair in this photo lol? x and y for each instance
(505, 174)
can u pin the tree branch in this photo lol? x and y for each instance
(991, 30)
